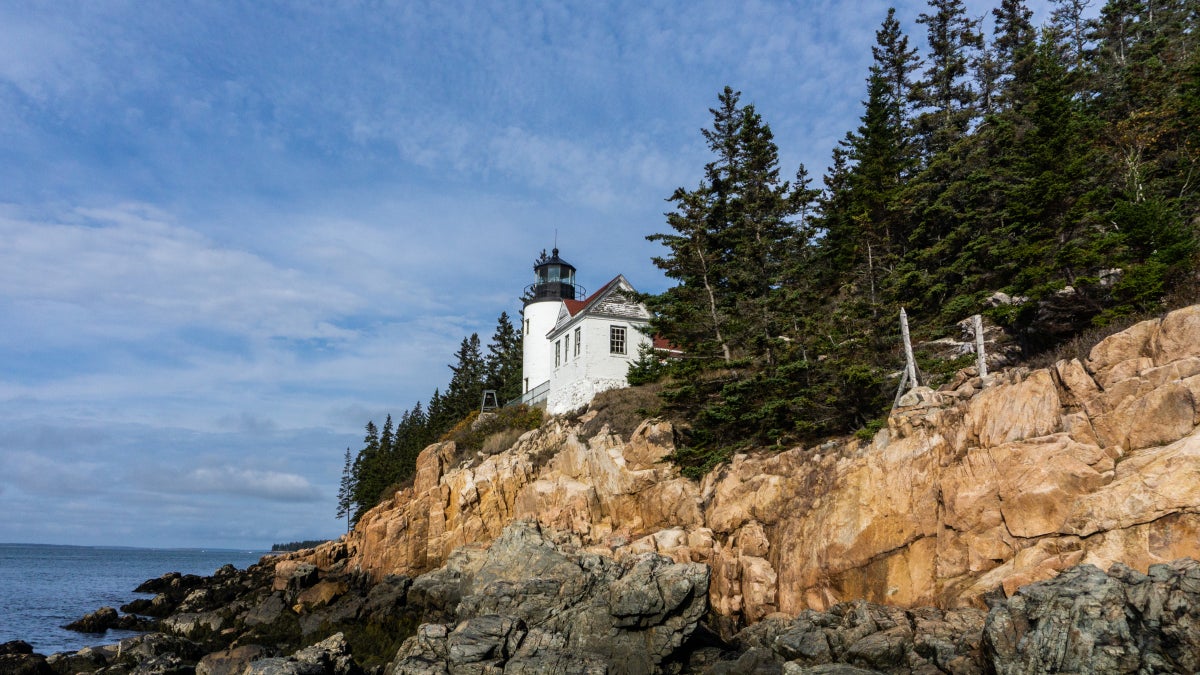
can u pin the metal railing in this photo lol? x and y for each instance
(534, 397)
(554, 289)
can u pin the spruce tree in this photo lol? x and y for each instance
(465, 390)
(345, 495)
(945, 95)
(503, 363)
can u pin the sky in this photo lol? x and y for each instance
(231, 233)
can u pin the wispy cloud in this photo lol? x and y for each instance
(230, 233)
(272, 485)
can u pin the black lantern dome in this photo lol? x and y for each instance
(554, 279)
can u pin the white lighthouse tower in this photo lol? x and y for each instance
(554, 283)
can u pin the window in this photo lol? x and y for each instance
(557, 353)
(616, 339)
(567, 348)
(578, 335)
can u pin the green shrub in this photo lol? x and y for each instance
(474, 429)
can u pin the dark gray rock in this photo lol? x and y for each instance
(858, 637)
(23, 663)
(230, 661)
(15, 647)
(1087, 621)
(98, 621)
(828, 669)
(86, 660)
(330, 656)
(590, 610)
(267, 611)
(439, 592)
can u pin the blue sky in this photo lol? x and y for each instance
(233, 232)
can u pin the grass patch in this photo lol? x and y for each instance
(623, 410)
(474, 430)
(1080, 345)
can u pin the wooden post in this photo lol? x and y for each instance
(980, 357)
(911, 363)
(900, 389)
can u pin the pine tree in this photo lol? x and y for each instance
(1013, 42)
(689, 313)
(896, 64)
(386, 436)
(1068, 29)
(731, 241)
(465, 390)
(368, 480)
(945, 94)
(503, 363)
(345, 495)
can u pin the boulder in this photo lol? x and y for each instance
(330, 656)
(1087, 621)
(17, 658)
(589, 609)
(98, 621)
(230, 661)
(861, 637)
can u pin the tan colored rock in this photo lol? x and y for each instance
(1013, 412)
(1176, 336)
(1095, 461)
(323, 593)
(1162, 416)
(1131, 343)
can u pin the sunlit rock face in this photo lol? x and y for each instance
(989, 486)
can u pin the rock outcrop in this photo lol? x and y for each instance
(589, 553)
(1086, 621)
(531, 604)
(987, 486)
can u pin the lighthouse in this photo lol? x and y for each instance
(554, 283)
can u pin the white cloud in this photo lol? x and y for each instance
(132, 273)
(270, 485)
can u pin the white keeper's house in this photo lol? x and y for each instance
(574, 346)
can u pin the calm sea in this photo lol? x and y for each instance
(44, 587)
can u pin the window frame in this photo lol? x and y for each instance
(618, 337)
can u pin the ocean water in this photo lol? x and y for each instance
(44, 587)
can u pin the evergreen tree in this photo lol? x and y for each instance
(503, 363)
(945, 94)
(732, 236)
(761, 233)
(1068, 29)
(386, 436)
(368, 479)
(689, 313)
(345, 495)
(896, 63)
(1013, 42)
(465, 390)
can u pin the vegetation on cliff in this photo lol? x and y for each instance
(388, 457)
(1043, 176)
(1056, 165)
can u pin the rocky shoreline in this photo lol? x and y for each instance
(969, 536)
(536, 601)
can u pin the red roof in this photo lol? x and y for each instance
(662, 344)
(577, 306)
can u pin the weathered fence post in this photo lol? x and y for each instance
(980, 357)
(911, 363)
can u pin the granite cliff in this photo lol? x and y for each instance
(1066, 500)
(969, 491)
